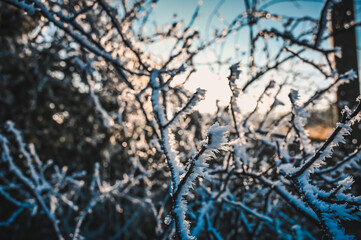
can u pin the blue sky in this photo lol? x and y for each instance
(216, 84)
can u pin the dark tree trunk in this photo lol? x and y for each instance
(344, 36)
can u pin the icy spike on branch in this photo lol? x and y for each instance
(343, 128)
(234, 75)
(217, 137)
(235, 72)
(167, 137)
(298, 121)
(188, 108)
(349, 75)
(217, 140)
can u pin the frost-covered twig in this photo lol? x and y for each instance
(215, 142)
(349, 161)
(335, 138)
(27, 182)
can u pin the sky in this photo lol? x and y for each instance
(216, 84)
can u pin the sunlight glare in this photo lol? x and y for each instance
(217, 89)
(215, 85)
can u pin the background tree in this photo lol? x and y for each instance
(344, 35)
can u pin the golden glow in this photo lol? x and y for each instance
(218, 89)
(216, 86)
